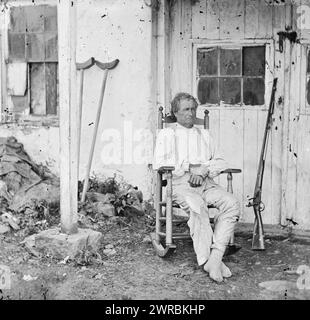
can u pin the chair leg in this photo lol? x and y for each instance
(163, 250)
(232, 247)
(169, 210)
(230, 189)
(158, 205)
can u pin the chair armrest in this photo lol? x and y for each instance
(164, 169)
(231, 170)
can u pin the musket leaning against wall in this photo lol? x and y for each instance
(256, 201)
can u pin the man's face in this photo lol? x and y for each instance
(186, 114)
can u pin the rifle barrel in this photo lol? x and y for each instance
(258, 232)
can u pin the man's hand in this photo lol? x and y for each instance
(195, 180)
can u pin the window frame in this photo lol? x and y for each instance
(235, 44)
(26, 119)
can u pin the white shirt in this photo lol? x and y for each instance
(188, 150)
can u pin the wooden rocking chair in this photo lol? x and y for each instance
(162, 238)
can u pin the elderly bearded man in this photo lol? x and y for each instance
(192, 152)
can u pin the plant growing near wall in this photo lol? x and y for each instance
(126, 199)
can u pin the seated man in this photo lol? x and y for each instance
(192, 152)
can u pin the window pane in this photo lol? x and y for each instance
(35, 18)
(208, 90)
(230, 90)
(37, 89)
(230, 62)
(254, 61)
(20, 104)
(17, 46)
(253, 91)
(51, 46)
(51, 88)
(35, 47)
(50, 19)
(17, 19)
(207, 61)
(308, 66)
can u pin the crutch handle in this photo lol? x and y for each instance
(107, 65)
(85, 65)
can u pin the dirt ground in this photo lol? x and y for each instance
(135, 272)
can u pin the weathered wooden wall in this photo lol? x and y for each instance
(106, 30)
(239, 130)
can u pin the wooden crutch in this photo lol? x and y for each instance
(81, 66)
(106, 67)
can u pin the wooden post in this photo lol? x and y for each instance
(68, 112)
(3, 57)
(163, 54)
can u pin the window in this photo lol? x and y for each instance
(233, 76)
(32, 39)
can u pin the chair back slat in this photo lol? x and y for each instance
(168, 118)
(160, 118)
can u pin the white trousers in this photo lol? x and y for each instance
(195, 202)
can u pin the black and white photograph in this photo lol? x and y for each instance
(155, 151)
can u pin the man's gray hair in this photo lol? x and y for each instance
(175, 103)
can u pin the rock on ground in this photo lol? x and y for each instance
(61, 245)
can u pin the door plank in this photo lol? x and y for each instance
(250, 161)
(265, 19)
(213, 20)
(199, 19)
(251, 19)
(231, 19)
(231, 146)
(267, 214)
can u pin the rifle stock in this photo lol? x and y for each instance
(258, 242)
(256, 203)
